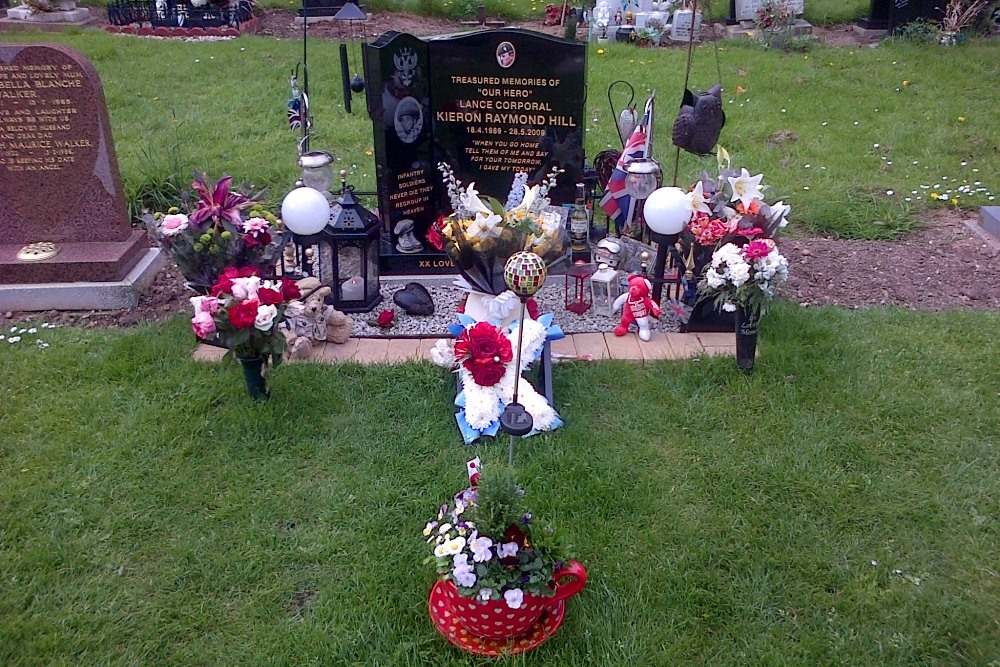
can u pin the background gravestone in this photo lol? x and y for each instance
(489, 103)
(59, 179)
(746, 10)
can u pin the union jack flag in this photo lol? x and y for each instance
(617, 202)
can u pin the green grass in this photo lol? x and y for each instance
(152, 515)
(223, 111)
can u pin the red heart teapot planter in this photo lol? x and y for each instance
(494, 619)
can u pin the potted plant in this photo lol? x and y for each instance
(223, 228)
(503, 572)
(245, 313)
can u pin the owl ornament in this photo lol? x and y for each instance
(700, 121)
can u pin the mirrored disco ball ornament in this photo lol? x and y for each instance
(524, 273)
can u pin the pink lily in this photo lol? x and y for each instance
(218, 203)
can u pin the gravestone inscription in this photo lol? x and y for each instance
(489, 103)
(59, 180)
(746, 10)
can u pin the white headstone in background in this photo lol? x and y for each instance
(746, 10)
(645, 6)
(680, 29)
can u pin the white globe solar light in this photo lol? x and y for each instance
(305, 211)
(642, 177)
(667, 210)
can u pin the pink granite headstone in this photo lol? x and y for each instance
(59, 179)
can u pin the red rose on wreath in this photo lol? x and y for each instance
(485, 352)
(486, 375)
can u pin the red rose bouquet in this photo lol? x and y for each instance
(245, 312)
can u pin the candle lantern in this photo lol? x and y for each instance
(642, 177)
(348, 255)
(578, 298)
(605, 288)
(317, 171)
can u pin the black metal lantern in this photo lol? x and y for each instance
(348, 255)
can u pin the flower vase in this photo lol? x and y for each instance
(747, 321)
(253, 373)
(494, 619)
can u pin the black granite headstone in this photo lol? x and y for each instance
(396, 69)
(905, 11)
(489, 103)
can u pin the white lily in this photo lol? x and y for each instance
(780, 211)
(696, 198)
(530, 194)
(485, 225)
(746, 188)
(471, 201)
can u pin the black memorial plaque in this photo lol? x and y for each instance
(506, 101)
(905, 11)
(396, 68)
(491, 103)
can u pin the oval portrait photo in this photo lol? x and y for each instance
(505, 54)
(408, 120)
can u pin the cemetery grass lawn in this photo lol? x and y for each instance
(817, 11)
(844, 135)
(838, 506)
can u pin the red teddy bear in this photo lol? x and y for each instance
(638, 307)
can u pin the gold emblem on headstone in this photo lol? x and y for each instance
(36, 252)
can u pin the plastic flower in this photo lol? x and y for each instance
(217, 203)
(745, 187)
(173, 224)
(514, 598)
(697, 199)
(203, 324)
(266, 315)
(386, 318)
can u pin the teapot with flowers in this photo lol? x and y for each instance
(501, 569)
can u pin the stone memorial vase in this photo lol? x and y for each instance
(253, 374)
(747, 321)
(493, 619)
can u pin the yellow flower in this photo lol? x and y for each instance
(600, 52)
(905, 83)
(934, 195)
(961, 119)
(369, 153)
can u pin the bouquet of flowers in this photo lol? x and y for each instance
(481, 234)
(492, 549)
(216, 233)
(731, 220)
(483, 354)
(245, 312)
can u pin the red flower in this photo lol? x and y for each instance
(485, 374)
(289, 290)
(269, 297)
(434, 234)
(484, 343)
(225, 281)
(386, 318)
(256, 239)
(533, 310)
(243, 314)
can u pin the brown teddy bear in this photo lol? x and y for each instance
(312, 319)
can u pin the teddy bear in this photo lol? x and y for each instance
(312, 319)
(638, 307)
